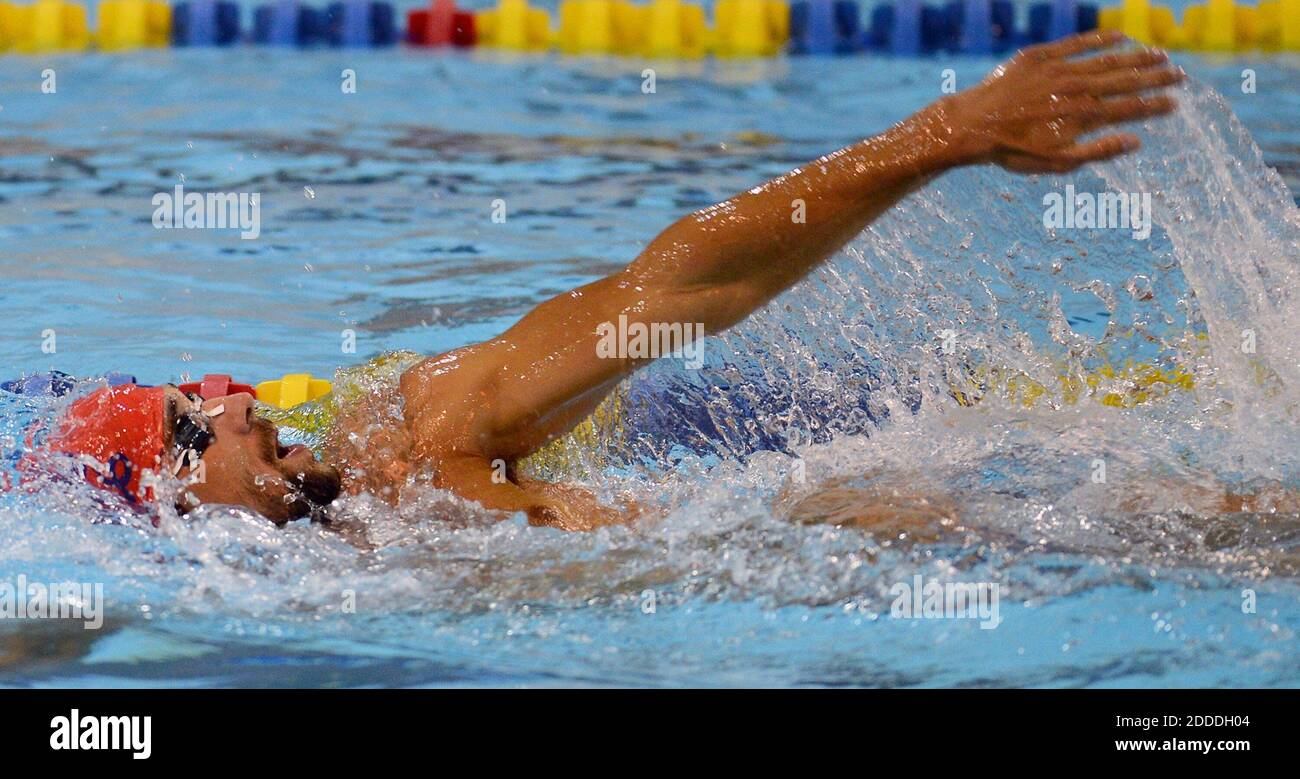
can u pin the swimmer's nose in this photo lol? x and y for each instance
(237, 411)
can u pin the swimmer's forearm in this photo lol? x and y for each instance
(746, 250)
(479, 480)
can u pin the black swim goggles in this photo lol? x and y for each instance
(192, 430)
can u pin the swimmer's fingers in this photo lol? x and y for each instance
(1068, 47)
(1105, 148)
(1117, 60)
(1134, 80)
(1134, 108)
(1087, 113)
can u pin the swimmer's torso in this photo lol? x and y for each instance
(401, 419)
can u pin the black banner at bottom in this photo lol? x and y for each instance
(329, 728)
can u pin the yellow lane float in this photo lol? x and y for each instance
(1214, 26)
(133, 24)
(292, 389)
(514, 25)
(750, 28)
(43, 26)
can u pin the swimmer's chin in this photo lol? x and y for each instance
(296, 454)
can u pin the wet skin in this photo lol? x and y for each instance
(470, 410)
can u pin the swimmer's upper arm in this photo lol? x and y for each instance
(510, 395)
(543, 374)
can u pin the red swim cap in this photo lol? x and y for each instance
(121, 428)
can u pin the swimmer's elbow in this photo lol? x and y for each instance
(721, 306)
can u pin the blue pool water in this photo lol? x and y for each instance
(377, 218)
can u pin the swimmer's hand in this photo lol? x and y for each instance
(1030, 113)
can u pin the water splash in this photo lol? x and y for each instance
(925, 310)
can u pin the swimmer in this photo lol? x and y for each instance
(470, 410)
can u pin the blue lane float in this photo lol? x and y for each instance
(205, 23)
(905, 31)
(288, 23)
(1047, 20)
(1004, 26)
(976, 27)
(940, 27)
(351, 23)
(910, 28)
(1064, 19)
(57, 383)
(825, 27)
(356, 23)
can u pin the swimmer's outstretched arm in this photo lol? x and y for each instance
(720, 264)
(1027, 116)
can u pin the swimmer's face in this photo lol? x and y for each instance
(246, 465)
